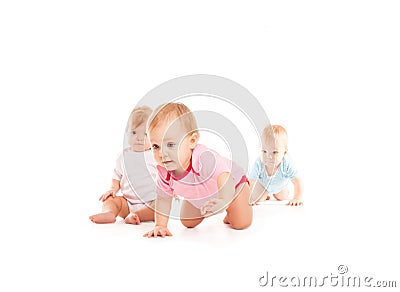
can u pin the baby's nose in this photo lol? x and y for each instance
(267, 155)
(164, 152)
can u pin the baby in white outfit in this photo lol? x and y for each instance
(134, 176)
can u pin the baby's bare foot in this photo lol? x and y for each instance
(132, 219)
(103, 218)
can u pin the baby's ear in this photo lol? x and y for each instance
(194, 138)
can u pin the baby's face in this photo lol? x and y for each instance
(172, 147)
(138, 138)
(272, 152)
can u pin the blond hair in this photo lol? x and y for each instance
(138, 116)
(275, 132)
(171, 111)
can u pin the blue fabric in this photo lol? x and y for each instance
(276, 183)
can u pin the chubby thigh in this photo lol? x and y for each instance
(239, 212)
(134, 207)
(190, 215)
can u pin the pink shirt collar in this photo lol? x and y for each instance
(194, 164)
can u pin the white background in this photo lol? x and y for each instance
(72, 71)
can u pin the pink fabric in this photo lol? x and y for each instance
(242, 180)
(199, 183)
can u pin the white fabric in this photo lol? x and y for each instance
(136, 172)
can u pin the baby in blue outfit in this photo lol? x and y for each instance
(273, 170)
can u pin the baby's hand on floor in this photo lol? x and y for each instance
(295, 202)
(262, 199)
(104, 196)
(212, 207)
(158, 231)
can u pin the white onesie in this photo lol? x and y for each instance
(137, 173)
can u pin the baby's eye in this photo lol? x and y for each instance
(133, 132)
(155, 146)
(263, 151)
(275, 152)
(170, 144)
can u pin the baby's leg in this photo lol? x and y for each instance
(144, 214)
(190, 215)
(282, 195)
(240, 213)
(258, 193)
(112, 207)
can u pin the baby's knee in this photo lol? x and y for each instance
(241, 225)
(111, 201)
(190, 223)
(282, 195)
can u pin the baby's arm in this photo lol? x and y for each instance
(298, 192)
(112, 191)
(163, 208)
(226, 193)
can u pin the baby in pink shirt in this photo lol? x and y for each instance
(199, 183)
(208, 182)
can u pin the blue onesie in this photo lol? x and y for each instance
(276, 183)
